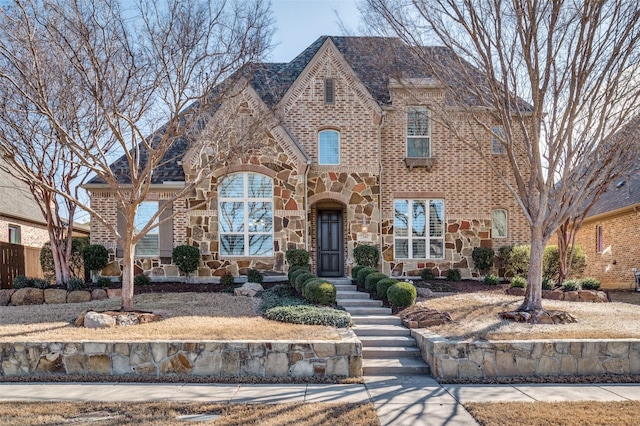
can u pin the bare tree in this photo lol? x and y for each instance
(556, 76)
(103, 77)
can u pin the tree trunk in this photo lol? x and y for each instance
(127, 277)
(533, 296)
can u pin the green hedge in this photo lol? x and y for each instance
(402, 294)
(371, 281)
(362, 275)
(300, 279)
(354, 271)
(383, 286)
(297, 268)
(309, 315)
(320, 292)
(294, 275)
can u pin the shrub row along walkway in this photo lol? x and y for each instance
(387, 346)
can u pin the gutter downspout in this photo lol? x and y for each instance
(306, 206)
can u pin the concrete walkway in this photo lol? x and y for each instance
(401, 400)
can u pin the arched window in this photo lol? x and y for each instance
(245, 215)
(499, 228)
(329, 147)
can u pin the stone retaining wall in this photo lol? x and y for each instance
(342, 358)
(450, 359)
(50, 296)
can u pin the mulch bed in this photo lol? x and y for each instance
(463, 286)
(178, 287)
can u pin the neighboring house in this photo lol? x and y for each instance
(608, 234)
(355, 159)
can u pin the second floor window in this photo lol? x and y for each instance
(497, 140)
(418, 133)
(149, 245)
(329, 147)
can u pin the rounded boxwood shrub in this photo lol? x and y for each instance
(383, 286)
(95, 257)
(492, 279)
(362, 275)
(310, 315)
(227, 280)
(320, 292)
(295, 274)
(255, 276)
(104, 282)
(306, 283)
(454, 275)
(297, 257)
(355, 269)
(75, 283)
(589, 284)
(300, 279)
(371, 281)
(570, 285)
(366, 255)
(293, 269)
(427, 274)
(141, 279)
(402, 294)
(22, 282)
(518, 282)
(483, 258)
(547, 284)
(186, 258)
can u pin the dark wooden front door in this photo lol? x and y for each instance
(330, 250)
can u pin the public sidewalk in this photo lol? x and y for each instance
(402, 400)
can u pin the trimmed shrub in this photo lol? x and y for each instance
(547, 284)
(518, 261)
(95, 257)
(402, 294)
(280, 295)
(483, 258)
(21, 282)
(355, 269)
(570, 285)
(141, 279)
(371, 281)
(75, 283)
(104, 282)
(295, 274)
(589, 284)
(366, 255)
(320, 292)
(427, 274)
(310, 315)
(307, 282)
(227, 280)
(518, 282)
(383, 286)
(293, 269)
(300, 279)
(454, 275)
(491, 279)
(255, 276)
(297, 257)
(551, 262)
(186, 258)
(362, 275)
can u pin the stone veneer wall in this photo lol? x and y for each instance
(257, 358)
(449, 359)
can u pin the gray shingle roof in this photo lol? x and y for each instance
(624, 192)
(272, 80)
(16, 199)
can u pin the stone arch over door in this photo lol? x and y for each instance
(328, 237)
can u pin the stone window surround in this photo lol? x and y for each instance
(246, 233)
(427, 201)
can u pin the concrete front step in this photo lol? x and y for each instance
(341, 295)
(359, 310)
(360, 303)
(378, 352)
(338, 281)
(376, 319)
(384, 341)
(381, 330)
(340, 288)
(373, 367)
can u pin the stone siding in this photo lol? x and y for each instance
(620, 249)
(449, 359)
(172, 358)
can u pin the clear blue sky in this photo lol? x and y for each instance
(300, 22)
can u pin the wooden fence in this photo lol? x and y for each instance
(18, 260)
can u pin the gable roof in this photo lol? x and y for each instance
(271, 81)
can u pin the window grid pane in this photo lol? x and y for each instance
(422, 222)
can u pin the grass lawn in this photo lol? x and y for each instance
(589, 413)
(190, 316)
(475, 316)
(168, 413)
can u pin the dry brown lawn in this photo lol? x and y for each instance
(157, 413)
(190, 316)
(475, 316)
(590, 413)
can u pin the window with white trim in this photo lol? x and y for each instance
(149, 244)
(245, 215)
(14, 234)
(418, 132)
(497, 140)
(328, 147)
(499, 224)
(418, 229)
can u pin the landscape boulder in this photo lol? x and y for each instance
(248, 289)
(55, 296)
(27, 296)
(98, 294)
(5, 296)
(425, 292)
(98, 320)
(78, 296)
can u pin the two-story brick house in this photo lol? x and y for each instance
(355, 158)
